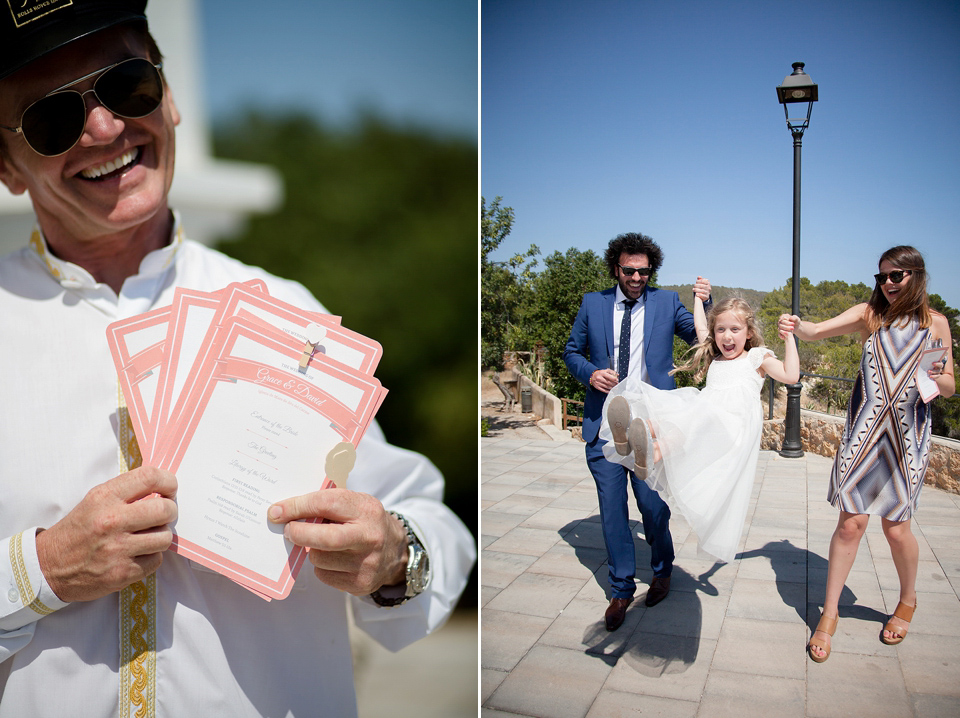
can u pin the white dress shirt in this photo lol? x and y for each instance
(219, 649)
(636, 333)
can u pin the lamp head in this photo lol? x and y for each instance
(797, 87)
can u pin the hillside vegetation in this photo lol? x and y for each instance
(753, 297)
(529, 306)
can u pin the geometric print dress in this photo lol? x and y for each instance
(881, 462)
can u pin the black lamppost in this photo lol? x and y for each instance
(797, 87)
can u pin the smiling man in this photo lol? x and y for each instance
(95, 612)
(628, 329)
(98, 181)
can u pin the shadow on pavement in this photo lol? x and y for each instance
(654, 641)
(665, 639)
(792, 565)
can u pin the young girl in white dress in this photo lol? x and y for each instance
(701, 447)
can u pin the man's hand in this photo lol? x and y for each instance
(363, 549)
(111, 538)
(701, 288)
(604, 380)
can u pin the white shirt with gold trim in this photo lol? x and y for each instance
(187, 641)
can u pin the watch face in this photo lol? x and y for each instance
(418, 570)
(423, 572)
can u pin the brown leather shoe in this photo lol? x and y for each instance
(659, 588)
(616, 612)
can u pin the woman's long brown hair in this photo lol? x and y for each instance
(912, 300)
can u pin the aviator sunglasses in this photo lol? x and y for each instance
(896, 276)
(54, 124)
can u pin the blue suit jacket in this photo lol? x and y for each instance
(592, 338)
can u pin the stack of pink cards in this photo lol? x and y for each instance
(243, 397)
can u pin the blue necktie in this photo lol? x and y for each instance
(623, 360)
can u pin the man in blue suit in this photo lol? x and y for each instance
(631, 326)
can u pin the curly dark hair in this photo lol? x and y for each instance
(632, 243)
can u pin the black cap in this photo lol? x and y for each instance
(32, 28)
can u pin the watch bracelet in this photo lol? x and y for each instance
(388, 602)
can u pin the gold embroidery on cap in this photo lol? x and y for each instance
(138, 607)
(27, 596)
(30, 11)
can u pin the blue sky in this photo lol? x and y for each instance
(662, 118)
(411, 61)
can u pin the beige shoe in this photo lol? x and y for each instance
(826, 625)
(618, 414)
(639, 440)
(904, 613)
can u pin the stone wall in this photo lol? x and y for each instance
(543, 404)
(821, 434)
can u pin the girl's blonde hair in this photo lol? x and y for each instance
(707, 350)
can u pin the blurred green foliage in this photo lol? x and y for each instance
(380, 224)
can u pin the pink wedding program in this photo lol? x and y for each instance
(244, 398)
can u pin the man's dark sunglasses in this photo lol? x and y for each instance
(630, 271)
(54, 124)
(896, 275)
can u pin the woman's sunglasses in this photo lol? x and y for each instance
(896, 276)
(54, 124)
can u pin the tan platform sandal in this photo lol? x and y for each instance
(826, 625)
(618, 414)
(639, 439)
(904, 613)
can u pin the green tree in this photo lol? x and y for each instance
(838, 361)
(945, 413)
(504, 286)
(837, 356)
(555, 298)
(495, 224)
(681, 353)
(823, 301)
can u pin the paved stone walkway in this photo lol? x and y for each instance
(730, 639)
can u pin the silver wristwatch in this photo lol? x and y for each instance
(418, 570)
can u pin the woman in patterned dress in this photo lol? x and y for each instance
(882, 459)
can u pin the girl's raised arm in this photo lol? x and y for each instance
(788, 370)
(700, 319)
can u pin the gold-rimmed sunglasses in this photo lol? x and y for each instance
(53, 124)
